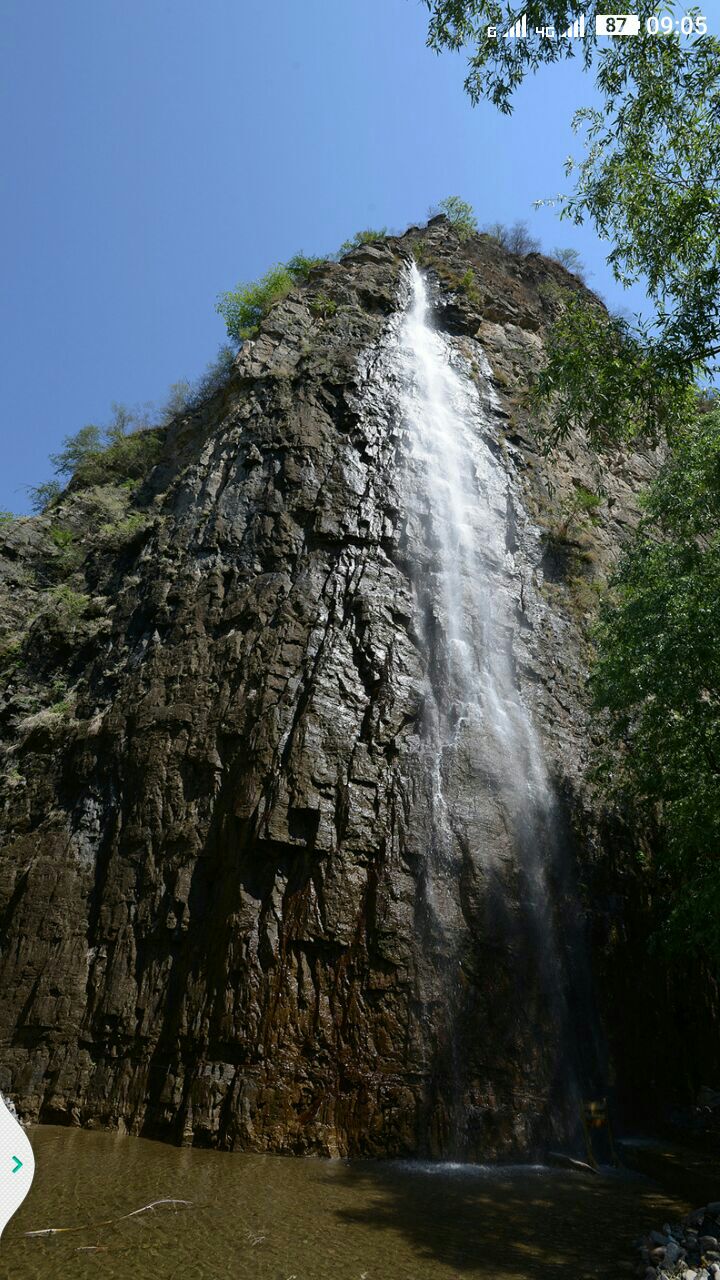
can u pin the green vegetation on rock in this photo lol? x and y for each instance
(121, 453)
(244, 307)
(61, 537)
(362, 237)
(186, 397)
(68, 603)
(460, 215)
(42, 496)
(656, 679)
(300, 266)
(323, 306)
(124, 458)
(601, 377)
(468, 284)
(582, 506)
(77, 449)
(649, 182)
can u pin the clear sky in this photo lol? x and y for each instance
(156, 152)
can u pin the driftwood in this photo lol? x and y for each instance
(110, 1222)
(569, 1162)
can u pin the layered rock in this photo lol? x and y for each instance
(216, 815)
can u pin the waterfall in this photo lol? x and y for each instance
(494, 842)
(468, 495)
(483, 730)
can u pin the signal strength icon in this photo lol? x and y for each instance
(576, 30)
(518, 30)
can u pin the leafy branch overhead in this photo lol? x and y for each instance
(605, 376)
(497, 67)
(648, 181)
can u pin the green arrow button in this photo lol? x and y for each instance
(17, 1164)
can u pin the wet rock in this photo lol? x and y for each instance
(216, 925)
(682, 1252)
(673, 1254)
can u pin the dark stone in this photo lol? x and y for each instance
(213, 854)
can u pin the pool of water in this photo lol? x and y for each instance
(255, 1217)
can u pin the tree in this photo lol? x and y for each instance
(657, 680)
(570, 259)
(216, 375)
(516, 239)
(244, 307)
(604, 377)
(460, 214)
(650, 182)
(77, 449)
(123, 421)
(43, 495)
(178, 400)
(497, 66)
(649, 179)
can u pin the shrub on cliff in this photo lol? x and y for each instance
(215, 376)
(185, 396)
(570, 259)
(123, 451)
(129, 458)
(516, 239)
(43, 495)
(360, 238)
(460, 215)
(244, 307)
(300, 265)
(77, 449)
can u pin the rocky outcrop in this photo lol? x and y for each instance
(689, 1249)
(215, 813)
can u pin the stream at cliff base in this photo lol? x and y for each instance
(257, 1217)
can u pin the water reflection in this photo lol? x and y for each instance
(279, 1218)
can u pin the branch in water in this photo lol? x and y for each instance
(110, 1222)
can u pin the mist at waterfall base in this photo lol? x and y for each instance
(500, 848)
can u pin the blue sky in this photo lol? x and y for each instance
(156, 152)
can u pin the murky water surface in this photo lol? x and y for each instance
(273, 1218)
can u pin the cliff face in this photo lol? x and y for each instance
(217, 806)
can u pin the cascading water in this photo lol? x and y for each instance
(494, 843)
(468, 495)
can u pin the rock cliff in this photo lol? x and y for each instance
(214, 789)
